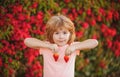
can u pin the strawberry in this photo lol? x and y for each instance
(66, 58)
(55, 55)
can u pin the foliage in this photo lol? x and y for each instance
(98, 19)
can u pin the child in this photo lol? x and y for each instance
(60, 50)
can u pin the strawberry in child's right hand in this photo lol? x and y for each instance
(55, 56)
(54, 49)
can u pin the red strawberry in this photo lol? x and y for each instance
(55, 55)
(66, 58)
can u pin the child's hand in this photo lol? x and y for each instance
(70, 50)
(54, 48)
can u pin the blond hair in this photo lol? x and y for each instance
(56, 22)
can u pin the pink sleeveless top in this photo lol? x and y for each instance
(59, 68)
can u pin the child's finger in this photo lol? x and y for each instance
(68, 52)
(55, 48)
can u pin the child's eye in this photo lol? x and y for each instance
(56, 33)
(64, 32)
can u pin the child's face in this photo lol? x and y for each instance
(61, 36)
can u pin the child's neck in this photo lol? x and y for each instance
(62, 45)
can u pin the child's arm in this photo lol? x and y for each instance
(87, 44)
(37, 44)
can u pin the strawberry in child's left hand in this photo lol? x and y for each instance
(66, 58)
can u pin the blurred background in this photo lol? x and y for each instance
(97, 19)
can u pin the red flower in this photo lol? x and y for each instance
(103, 27)
(85, 25)
(35, 70)
(109, 15)
(79, 34)
(116, 15)
(2, 23)
(11, 71)
(17, 9)
(32, 19)
(71, 16)
(9, 15)
(109, 43)
(117, 52)
(89, 12)
(43, 27)
(103, 64)
(93, 22)
(31, 54)
(111, 32)
(10, 52)
(1, 63)
(36, 66)
(74, 12)
(80, 11)
(99, 18)
(26, 27)
(64, 11)
(5, 65)
(10, 60)
(21, 17)
(101, 11)
(34, 5)
(40, 15)
(67, 1)
(116, 48)
(94, 36)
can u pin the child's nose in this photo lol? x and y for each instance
(61, 36)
